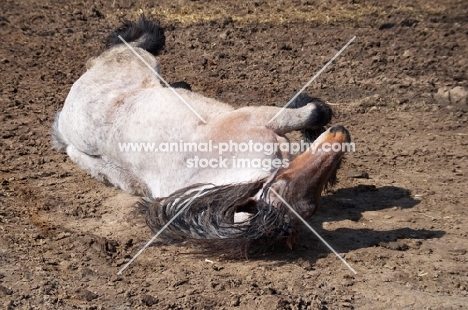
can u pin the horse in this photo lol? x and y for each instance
(127, 128)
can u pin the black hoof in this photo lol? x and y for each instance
(321, 116)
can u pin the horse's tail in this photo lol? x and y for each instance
(145, 33)
(58, 142)
(209, 219)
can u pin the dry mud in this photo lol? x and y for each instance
(400, 88)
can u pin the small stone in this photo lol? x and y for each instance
(358, 174)
(62, 235)
(223, 36)
(458, 94)
(285, 68)
(396, 245)
(116, 278)
(84, 294)
(442, 96)
(235, 301)
(5, 290)
(149, 300)
(407, 54)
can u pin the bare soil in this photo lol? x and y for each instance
(400, 88)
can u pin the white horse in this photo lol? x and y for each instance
(119, 123)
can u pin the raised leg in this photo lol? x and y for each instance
(281, 121)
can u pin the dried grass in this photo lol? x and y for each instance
(278, 12)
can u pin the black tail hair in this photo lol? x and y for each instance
(148, 34)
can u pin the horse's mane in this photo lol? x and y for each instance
(209, 220)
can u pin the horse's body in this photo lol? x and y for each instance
(120, 100)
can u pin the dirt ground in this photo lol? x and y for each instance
(400, 88)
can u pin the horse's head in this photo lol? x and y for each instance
(302, 182)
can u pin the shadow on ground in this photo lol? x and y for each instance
(350, 204)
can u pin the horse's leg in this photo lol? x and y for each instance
(281, 121)
(107, 172)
